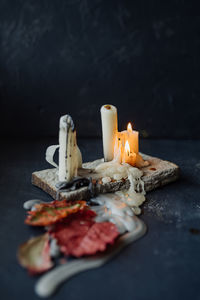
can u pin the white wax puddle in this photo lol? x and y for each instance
(111, 208)
(135, 195)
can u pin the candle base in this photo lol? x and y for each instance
(157, 174)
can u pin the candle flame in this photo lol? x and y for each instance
(127, 147)
(129, 127)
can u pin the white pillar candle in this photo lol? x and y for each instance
(109, 130)
(69, 154)
(132, 136)
(127, 145)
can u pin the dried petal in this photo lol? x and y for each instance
(80, 235)
(35, 254)
(49, 213)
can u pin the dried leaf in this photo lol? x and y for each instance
(80, 235)
(49, 213)
(35, 254)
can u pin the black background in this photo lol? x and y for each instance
(72, 56)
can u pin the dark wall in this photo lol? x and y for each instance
(72, 56)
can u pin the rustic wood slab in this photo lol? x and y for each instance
(157, 174)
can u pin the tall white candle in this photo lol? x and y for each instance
(109, 130)
(69, 154)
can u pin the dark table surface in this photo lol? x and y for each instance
(164, 264)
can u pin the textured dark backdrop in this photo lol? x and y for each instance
(67, 56)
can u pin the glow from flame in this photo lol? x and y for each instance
(129, 127)
(127, 147)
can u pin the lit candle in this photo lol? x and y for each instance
(133, 138)
(109, 130)
(126, 145)
(70, 158)
(128, 157)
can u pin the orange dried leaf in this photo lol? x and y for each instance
(49, 213)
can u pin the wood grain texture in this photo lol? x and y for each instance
(157, 174)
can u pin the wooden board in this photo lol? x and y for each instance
(157, 174)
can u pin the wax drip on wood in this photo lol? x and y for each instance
(75, 184)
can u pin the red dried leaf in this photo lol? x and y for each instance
(35, 255)
(79, 235)
(49, 213)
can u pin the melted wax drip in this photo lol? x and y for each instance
(74, 184)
